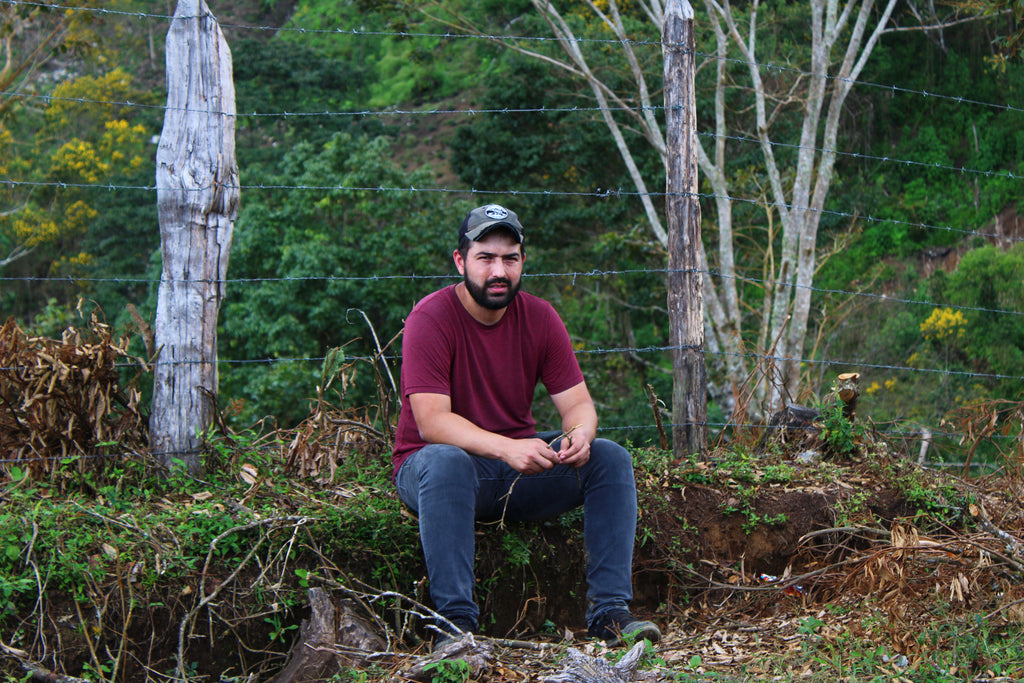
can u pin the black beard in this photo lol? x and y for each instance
(492, 303)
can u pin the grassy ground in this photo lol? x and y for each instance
(862, 566)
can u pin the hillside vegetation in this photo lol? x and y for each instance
(911, 247)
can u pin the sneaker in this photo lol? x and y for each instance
(617, 625)
(450, 635)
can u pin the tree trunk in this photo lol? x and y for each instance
(685, 293)
(197, 195)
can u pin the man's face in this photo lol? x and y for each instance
(492, 269)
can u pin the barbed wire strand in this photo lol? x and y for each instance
(599, 351)
(601, 194)
(746, 139)
(573, 275)
(657, 43)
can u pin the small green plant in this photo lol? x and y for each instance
(304, 576)
(516, 548)
(12, 588)
(810, 626)
(838, 431)
(350, 676)
(92, 672)
(743, 503)
(781, 473)
(849, 509)
(449, 671)
(278, 629)
(742, 467)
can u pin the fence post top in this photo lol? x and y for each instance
(681, 8)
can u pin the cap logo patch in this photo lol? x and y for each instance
(495, 212)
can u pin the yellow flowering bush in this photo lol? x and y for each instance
(120, 139)
(32, 228)
(873, 388)
(88, 97)
(6, 138)
(78, 160)
(944, 324)
(72, 265)
(78, 216)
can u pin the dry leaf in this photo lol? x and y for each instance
(249, 474)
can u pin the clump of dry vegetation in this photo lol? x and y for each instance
(62, 399)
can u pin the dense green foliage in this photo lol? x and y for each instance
(330, 230)
(911, 193)
(313, 261)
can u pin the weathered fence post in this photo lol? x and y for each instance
(685, 296)
(197, 196)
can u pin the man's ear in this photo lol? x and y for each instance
(459, 262)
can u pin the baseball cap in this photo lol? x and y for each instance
(483, 219)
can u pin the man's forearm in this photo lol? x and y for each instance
(581, 420)
(455, 430)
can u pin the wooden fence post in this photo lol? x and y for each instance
(685, 295)
(197, 196)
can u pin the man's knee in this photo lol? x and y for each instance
(435, 473)
(439, 462)
(609, 454)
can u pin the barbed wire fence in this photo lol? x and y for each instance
(863, 364)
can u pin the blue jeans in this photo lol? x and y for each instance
(449, 489)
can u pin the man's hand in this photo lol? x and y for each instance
(529, 456)
(579, 420)
(575, 448)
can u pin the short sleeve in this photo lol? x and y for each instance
(426, 356)
(560, 369)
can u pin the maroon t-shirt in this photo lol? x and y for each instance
(490, 372)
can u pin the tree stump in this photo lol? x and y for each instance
(847, 390)
(793, 426)
(315, 656)
(476, 652)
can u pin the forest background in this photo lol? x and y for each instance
(366, 130)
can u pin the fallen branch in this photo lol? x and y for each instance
(1013, 545)
(34, 671)
(580, 668)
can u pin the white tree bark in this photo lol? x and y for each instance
(606, 97)
(800, 203)
(197, 195)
